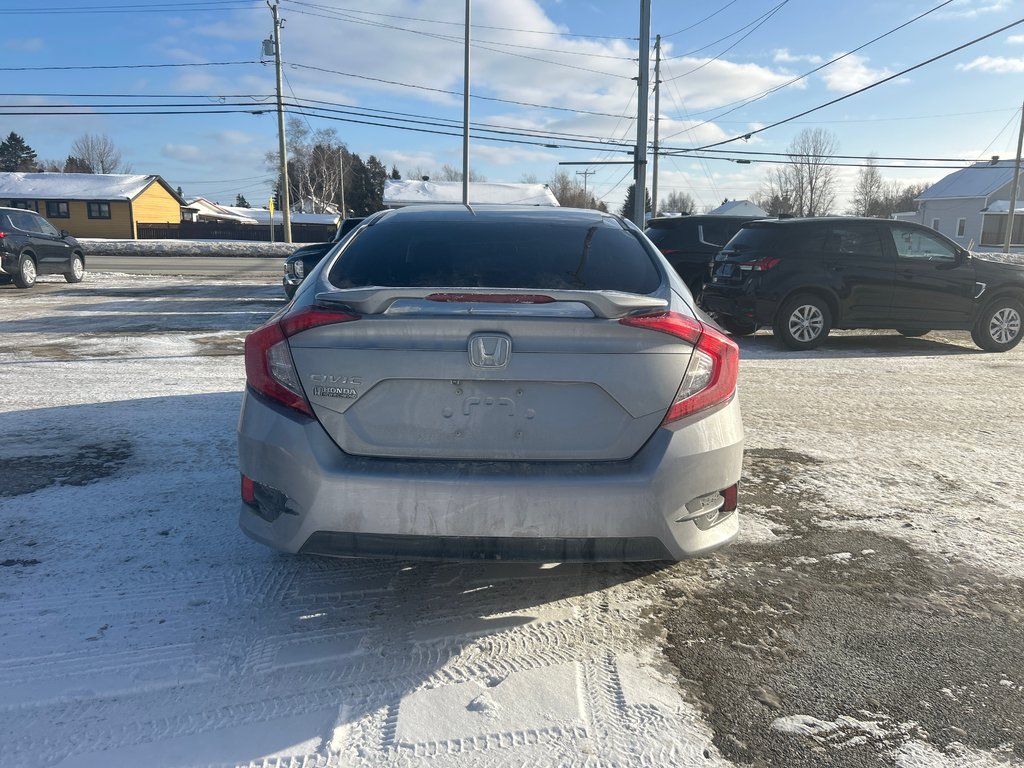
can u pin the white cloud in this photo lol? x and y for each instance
(970, 9)
(783, 56)
(28, 44)
(852, 73)
(1015, 39)
(997, 64)
(184, 152)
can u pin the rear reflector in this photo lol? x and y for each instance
(710, 377)
(248, 491)
(269, 369)
(729, 495)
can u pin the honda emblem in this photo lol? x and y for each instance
(489, 351)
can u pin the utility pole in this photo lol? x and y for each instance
(465, 116)
(643, 88)
(1013, 189)
(585, 174)
(341, 165)
(657, 114)
(286, 212)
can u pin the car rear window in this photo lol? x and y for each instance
(672, 235)
(497, 254)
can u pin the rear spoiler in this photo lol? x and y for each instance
(604, 304)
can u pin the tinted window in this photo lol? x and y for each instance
(718, 232)
(860, 239)
(755, 237)
(913, 243)
(672, 235)
(497, 254)
(26, 222)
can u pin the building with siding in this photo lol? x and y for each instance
(971, 206)
(94, 204)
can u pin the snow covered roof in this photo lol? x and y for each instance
(979, 180)
(1003, 206)
(398, 193)
(78, 186)
(738, 208)
(262, 216)
(212, 210)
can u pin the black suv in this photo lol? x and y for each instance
(691, 242)
(804, 277)
(302, 261)
(30, 246)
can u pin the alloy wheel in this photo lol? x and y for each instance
(1004, 326)
(806, 323)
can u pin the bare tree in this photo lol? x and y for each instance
(814, 180)
(451, 173)
(98, 153)
(570, 193)
(678, 202)
(870, 192)
(806, 185)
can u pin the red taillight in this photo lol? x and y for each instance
(3, 234)
(759, 265)
(711, 375)
(269, 368)
(492, 298)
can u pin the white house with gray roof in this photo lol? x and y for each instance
(970, 206)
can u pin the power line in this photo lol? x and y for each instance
(127, 66)
(758, 22)
(459, 41)
(875, 84)
(736, 105)
(212, 5)
(698, 23)
(459, 23)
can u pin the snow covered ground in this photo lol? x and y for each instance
(870, 614)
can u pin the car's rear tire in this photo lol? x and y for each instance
(735, 326)
(999, 326)
(803, 322)
(911, 334)
(77, 270)
(25, 277)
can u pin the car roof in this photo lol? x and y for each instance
(6, 208)
(701, 217)
(523, 213)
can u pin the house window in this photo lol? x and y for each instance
(99, 210)
(57, 209)
(961, 227)
(935, 224)
(993, 229)
(25, 205)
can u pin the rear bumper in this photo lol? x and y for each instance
(329, 502)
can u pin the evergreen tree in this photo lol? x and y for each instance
(627, 207)
(394, 173)
(16, 155)
(76, 165)
(241, 202)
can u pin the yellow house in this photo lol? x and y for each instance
(93, 204)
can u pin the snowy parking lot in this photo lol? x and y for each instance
(869, 615)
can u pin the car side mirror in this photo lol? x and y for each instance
(65, 233)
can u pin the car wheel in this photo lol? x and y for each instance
(77, 270)
(26, 274)
(999, 326)
(735, 326)
(803, 322)
(911, 334)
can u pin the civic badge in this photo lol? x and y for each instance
(489, 350)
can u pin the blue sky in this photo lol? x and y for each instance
(546, 73)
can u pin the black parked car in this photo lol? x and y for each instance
(299, 264)
(691, 242)
(31, 246)
(803, 277)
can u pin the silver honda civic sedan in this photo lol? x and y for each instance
(491, 383)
